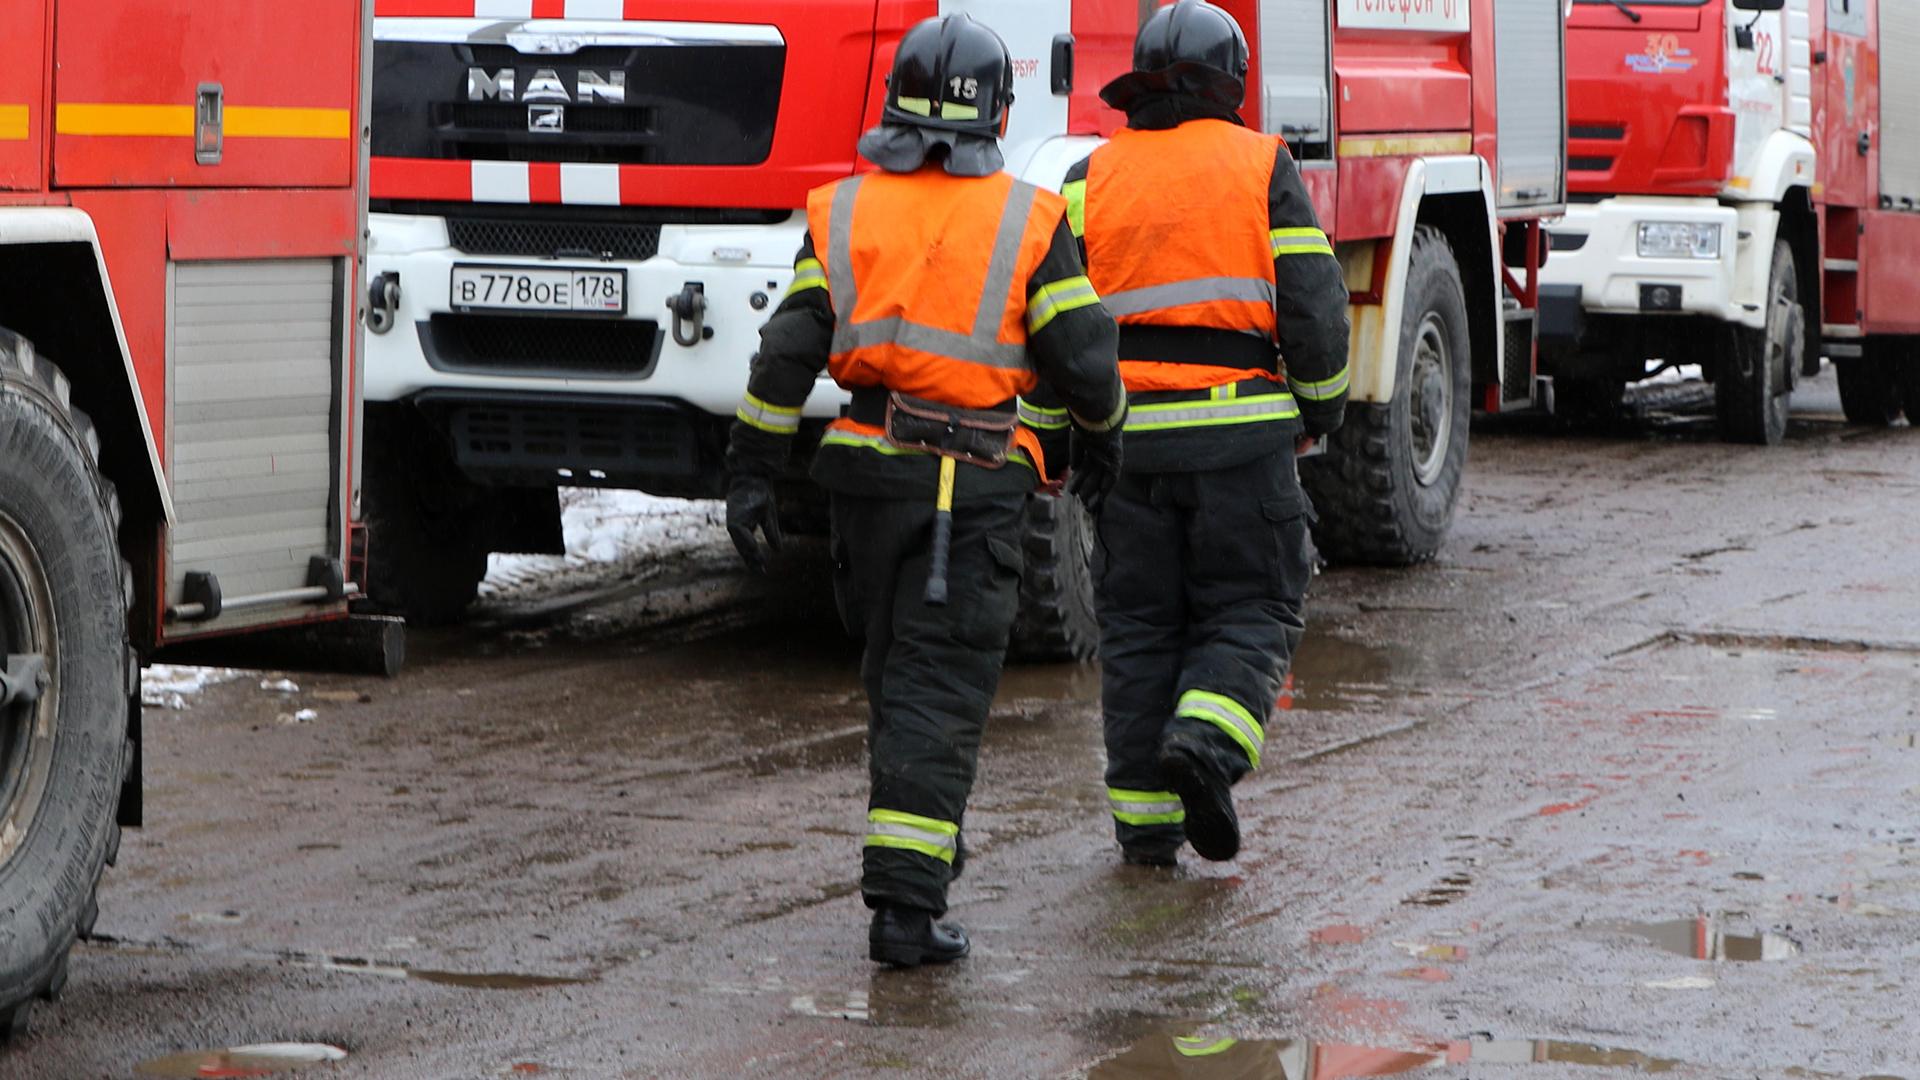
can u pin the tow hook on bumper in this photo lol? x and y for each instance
(383, 302)
(690, 315)
(23, 678)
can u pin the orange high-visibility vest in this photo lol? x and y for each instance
(928, 273)
(1177, 235)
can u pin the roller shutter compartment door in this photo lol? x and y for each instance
(1293, 69)
(255, 356)
(1900, 104)
(1530, 85)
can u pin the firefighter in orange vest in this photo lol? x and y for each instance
(939, 291)
(1202, 242)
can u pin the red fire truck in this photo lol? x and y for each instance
(181, 203)
(584, 209)
(1742, 199)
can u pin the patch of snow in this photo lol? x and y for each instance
(606, 526)
(1681, 374)
(304, 716)
(168, 686)
(280, 686)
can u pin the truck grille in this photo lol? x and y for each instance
(612, 440)
(684, 104)
(543, 239)
(542, 346)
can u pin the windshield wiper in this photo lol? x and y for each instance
(1625, 10)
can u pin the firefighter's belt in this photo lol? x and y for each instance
(976, 436)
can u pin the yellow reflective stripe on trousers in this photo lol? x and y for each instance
(778, 419)
(1300, 242)
(879, 445)
(1325, 389)
(1166, 415)
(1041, 419)
(1229, 716)
(1067, 294)
(910, 832)
(1146, 807)
(1076, 194)
(1200, 1046)
(807, 274)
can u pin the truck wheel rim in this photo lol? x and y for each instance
(26, 728)
(1431, 400)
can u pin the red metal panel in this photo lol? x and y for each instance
(1370, 197)
(133, 240)
(1411, 87)
(1323, 188)
(1103, 33)
(23, 106)
(287, 72)
(1646, 101)
(1891, 288)
(1852, 75)
(286, 224)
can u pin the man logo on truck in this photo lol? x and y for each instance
(547, 87)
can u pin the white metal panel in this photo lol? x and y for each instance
(254, 353)
(1799, 19)
(1530, 56)
(1294, 79)
(1899, 132)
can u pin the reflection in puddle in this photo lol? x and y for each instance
(1699, 939)
(1336, 674)
(266, 1059)
(1200, 1057)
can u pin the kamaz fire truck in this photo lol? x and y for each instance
(584, 210)
(1746, 187)
(181, 206)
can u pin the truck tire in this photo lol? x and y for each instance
(1752, 389)
(1906, 376)
(1388, 485)
(1869, 395)
(1057, 622)
(65, 591)
(425, 560)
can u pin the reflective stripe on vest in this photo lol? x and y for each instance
(1175, 294)
(1146, 807)
(1229, 716)
(897, 829)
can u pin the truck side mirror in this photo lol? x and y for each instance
(1759, 5)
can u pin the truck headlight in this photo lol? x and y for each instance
(1678, 240)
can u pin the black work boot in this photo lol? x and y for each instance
(908, 937)
(1212, 827)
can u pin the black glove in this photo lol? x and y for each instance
(1095, 466)
(750, 506)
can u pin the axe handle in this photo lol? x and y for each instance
(942, 536)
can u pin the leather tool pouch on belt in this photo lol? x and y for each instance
(976, 436)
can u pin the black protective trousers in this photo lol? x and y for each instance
(930, 674)
(1201, 582)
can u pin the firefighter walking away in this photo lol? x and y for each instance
(1202, 242)
(939, 291)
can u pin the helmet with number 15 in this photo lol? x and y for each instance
(952, 84)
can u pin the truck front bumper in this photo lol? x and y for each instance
(1594, 268)
(741, 273)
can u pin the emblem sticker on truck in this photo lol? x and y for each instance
(516, 288)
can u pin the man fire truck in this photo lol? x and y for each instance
(584, 210)
(1743, 200)
(179, 232)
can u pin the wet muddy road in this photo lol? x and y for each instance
(1627, 781)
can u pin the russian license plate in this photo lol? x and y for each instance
(520, 288)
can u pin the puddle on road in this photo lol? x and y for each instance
(1199, 1057)
(266, 1059)
(472, 980)
(1699, 939)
